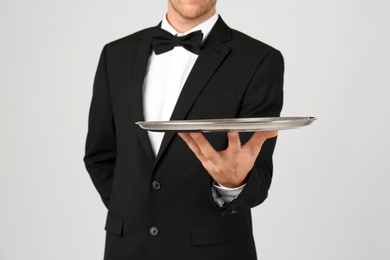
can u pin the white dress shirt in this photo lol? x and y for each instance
(165, 76)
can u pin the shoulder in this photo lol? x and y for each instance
(241, 43)
(131, 39)
(245, 43)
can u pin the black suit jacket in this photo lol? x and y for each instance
(161, 207)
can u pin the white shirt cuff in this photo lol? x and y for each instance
(223, 194)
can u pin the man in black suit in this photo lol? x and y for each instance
(186, 195)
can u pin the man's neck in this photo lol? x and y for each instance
(182, 24)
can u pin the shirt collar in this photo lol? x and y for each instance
(205, 27)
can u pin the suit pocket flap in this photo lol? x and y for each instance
(114, 225)
(221, 232)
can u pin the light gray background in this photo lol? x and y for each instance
(330, 193)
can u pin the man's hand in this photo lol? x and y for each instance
(229, 167)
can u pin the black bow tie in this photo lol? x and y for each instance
(163, 41)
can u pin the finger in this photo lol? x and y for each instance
(192, 145)
(263, 135)
(234, 141)
(257, 140)
(204, 146)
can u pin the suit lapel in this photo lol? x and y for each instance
(139, 65)
(212, 55)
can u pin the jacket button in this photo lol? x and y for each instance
(156, 185)
(153, 231)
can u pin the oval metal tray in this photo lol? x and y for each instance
(227, 124)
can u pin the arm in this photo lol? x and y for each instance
(250, 163)
(100, 152)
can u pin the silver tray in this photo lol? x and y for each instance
(227, 125)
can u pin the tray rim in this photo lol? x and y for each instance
(227, 124)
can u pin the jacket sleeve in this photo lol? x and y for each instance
(100, 151)
(264, 98)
